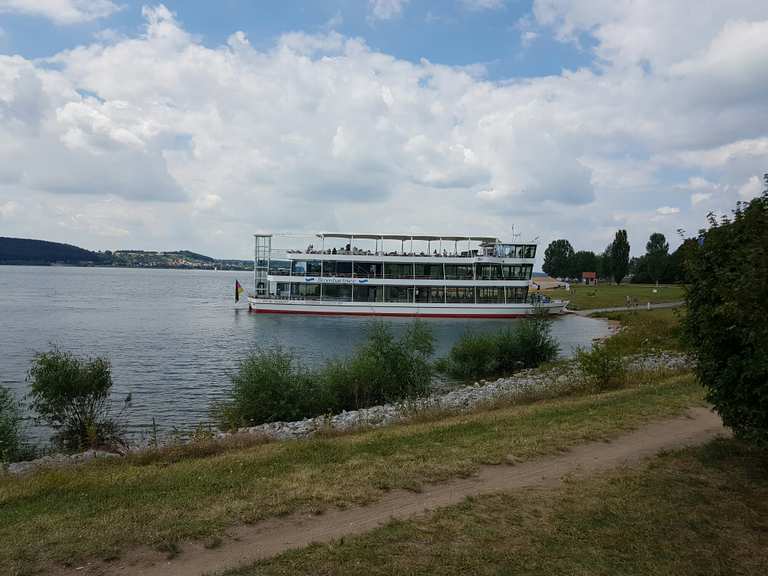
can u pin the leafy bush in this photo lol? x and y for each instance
(534, 343)
(10, 426)
(527, 345)
(726, 321)
(271, 385)
(473, 356)
(71, 395)
(603, 366)
(383, 369)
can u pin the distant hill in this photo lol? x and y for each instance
(25, 251)
(43, 253)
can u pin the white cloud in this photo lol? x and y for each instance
(482, 4)
(631, 31)
(386, 9)
(61, 11)
(528, 37)
(7, 209)
(319, 131)
(700, 197)
(751, 188)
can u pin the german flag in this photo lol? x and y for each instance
(238, 290)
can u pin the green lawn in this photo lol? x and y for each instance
(691, 512)
(102, 509)
(609, 295)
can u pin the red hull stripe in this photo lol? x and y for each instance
(401, 314)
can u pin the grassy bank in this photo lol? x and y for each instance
(609, 295)
(104, 508)
(697, 511)
(646, 331)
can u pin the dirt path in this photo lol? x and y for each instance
(250, 543)
(638, 308)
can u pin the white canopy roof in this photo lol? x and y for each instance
(426, 238)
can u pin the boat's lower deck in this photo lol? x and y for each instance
(411, 309)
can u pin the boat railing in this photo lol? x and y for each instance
(358, 275)
(445, 254)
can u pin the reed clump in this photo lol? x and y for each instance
(11, 442)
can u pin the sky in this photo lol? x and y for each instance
(193, 125)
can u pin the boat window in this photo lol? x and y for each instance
(517, 294)
(489, 272)
(368, 293)
(430, 294)
(398, 270)
(492, 295)
(299, 267)
(368, 269)
(459, 294)
(459, 272)
(338, 292)
(398, 293)
(305, 291)
(429, 271)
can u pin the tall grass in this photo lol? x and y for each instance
(272, 385)
(527, 345)
(604, 366)
(10, 427)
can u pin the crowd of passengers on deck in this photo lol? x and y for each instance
(355, 251)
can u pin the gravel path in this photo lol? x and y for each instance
(629, 308)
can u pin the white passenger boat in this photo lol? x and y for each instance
(398, 275)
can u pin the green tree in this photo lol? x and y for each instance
(619, 256)
(583, 261)
(725, 323)
(558, 258)
(676, 265)
(604, 263)
(656, 256)
(72, 395)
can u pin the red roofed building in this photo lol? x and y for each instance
(589, 278)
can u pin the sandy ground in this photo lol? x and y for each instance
(246, 544)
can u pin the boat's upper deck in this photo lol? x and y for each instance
(401, 247)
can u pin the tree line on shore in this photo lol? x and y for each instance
(614, 263)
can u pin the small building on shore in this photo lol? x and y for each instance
(589, 278)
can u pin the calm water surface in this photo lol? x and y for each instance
(175, 336)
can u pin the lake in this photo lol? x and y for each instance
(175, 336)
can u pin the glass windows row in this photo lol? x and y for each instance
(398, 270)
(451, 294)
(459, 272)
(306, 268)
(516, 294)
(515, 250)
(504, 271)
(430, 294)
(341, 269)
(279, 267)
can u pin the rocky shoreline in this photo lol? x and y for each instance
(527, 384)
